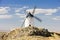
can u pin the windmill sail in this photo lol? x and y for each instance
(34, 10)
(29, 19)
(23, 23)
(37, 18)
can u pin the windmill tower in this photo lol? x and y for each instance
(30, 18)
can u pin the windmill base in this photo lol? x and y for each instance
(30, 25)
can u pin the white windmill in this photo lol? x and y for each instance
(30, 18)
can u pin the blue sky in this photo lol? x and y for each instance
(12, 13)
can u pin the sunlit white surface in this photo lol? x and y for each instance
(28, 21)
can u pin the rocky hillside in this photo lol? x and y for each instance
(30, 33)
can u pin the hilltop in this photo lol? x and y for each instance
(30, 33)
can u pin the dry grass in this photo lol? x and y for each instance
(2, 35)
(30, 33)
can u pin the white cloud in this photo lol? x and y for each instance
(56, 18)
(43, 11)
(25, 7)
(20, 15)
(4, 10)
(5, 16)
(58, 7)
(20, 9)
(48, 11)
(4, 13)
